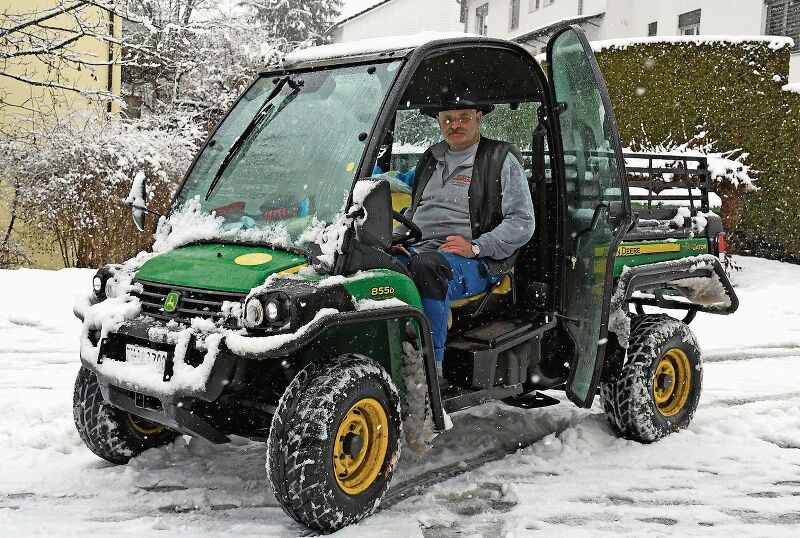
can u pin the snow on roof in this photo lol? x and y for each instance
(529, 34)
(792, 87)
(775, 42)
(353, 8)
(369, 46)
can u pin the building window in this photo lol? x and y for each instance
(481, 13)
(652, 29)
(783, 18)
(533, 5)
(689, 23)
(513, 22)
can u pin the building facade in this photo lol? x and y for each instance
(532, 22)
(54, 67)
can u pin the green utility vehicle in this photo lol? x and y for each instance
(274, 311)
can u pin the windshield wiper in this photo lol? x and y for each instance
(262, 112)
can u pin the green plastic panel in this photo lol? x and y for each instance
(384, 284)
(220, 267)
(631, 254)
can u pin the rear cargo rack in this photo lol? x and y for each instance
(664, 172)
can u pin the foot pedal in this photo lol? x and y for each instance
(532, 400)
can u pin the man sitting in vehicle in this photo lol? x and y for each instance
(471, 200)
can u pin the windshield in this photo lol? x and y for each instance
(289, 150)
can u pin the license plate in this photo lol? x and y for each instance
(144, 355)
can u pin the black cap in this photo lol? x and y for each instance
(456, 95)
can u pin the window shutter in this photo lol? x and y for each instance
(513, 22)
(689, 19)
(793, 22)
(775, 18)
(783, 18)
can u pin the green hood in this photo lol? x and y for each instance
(216, 266)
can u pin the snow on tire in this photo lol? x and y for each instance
(334, 442)
(659, 386)
(111, 433)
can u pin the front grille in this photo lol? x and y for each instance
(193, 302)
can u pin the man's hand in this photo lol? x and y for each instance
(394, 250)
(455, 244)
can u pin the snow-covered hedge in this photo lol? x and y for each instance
(733, 89)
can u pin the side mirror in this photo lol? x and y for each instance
(137, 200)
(372, 204)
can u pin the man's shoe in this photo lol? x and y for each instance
(444, 384)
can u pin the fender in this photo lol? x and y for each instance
(314, 330)
(686, 275)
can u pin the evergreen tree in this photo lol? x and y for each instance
(295, 23)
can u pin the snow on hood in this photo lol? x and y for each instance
(370, 46)
(190, 224)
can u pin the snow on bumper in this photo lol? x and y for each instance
(200, 357)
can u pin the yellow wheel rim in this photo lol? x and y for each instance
(144, 427)
(672, 382)
(360, 446)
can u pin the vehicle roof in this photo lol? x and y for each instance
(380, 46)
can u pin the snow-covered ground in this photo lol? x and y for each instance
(736, 471)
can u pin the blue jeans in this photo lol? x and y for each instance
(467, 277)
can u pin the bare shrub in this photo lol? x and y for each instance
(71, 182)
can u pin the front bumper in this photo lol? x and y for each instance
(164, 399)
(176, 416)
(209, 373)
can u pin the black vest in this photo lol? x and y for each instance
(485, 190)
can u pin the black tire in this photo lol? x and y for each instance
(643, 404)
(111, 433)
(303, 436)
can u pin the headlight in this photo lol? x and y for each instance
(100, 283)
(253, 312)
(273, 310)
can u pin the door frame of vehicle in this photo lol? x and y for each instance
(619, 232)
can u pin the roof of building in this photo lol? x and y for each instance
(364, 6)
(528, 35)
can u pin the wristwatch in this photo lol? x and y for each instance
(476, 249)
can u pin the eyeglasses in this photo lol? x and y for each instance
(462, 120)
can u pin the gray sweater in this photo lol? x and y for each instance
(444, 207)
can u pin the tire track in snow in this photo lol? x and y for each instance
(735, 402)
(760, 352)
(419, 484)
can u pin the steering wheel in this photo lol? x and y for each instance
(414, 234)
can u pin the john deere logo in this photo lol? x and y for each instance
(171, 302)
